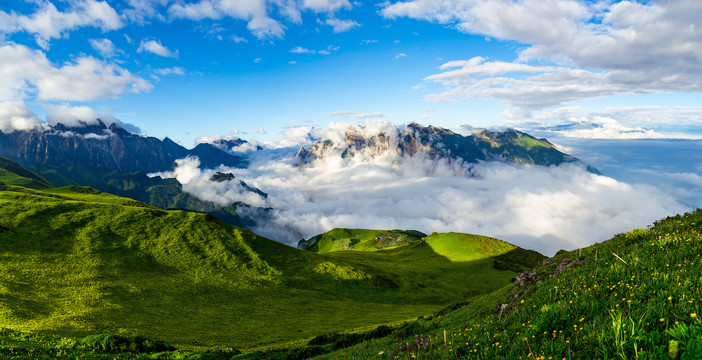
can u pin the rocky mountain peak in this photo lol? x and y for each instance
(510, 146)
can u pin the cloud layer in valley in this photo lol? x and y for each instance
(543, 208)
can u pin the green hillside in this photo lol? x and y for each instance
(360, 240)
(12, 173)
(164, 193)
(75, 262)
(635, 296)
(454, 258)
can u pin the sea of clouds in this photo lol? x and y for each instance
(535, 207)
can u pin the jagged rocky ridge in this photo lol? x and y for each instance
(109, 147)
(510, 146)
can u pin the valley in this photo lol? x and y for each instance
(77, 261)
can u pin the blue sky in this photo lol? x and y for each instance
(186, 69)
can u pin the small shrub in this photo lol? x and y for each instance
(84, 190)
(116, 343)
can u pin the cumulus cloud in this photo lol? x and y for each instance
(155, 47)
(28, 72)
(326, 51)
(141, 11)
(177, 70)
(543, 208)
(259, 13)
(327, 6)
(16, 116)
(339, 25)
(47, 22)
(198, 183)
(595, 48)
(80, 116)
(620, 123)
(105, 47)
(255, 13)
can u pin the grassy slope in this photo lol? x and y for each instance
(13, 174)
(76, 262)
(360, 240)
(164, 193)
(645, 305)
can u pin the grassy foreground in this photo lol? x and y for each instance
(636, 296)
(76, 262)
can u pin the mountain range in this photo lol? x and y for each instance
(508, 146)
(108, 147)
(86, 274)
(111, 159)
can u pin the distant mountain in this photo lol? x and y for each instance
(112, 148)
(510, 146)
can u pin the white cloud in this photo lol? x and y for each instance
(170, 71)
(198, 183)
(25, 72)
(254, 12)
(595, 48)
(544, 208)
(328, 6)
(630, 122)
(105, 47)
(354, 114)
(257, 13)
(341, 25)
(77, 116)
(16, 116)
(238, 39)
(260, 131)
(326, 51)
(141, 11)
(49, 23)
(88, 79)
(301, 50)
(400, 55)
(155, 47)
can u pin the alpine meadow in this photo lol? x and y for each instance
(336, 179)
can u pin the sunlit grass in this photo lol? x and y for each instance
(636, 296)
(78, 262)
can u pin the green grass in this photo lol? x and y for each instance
(528, 143)
(360, 240)
(76, 262)
(13, 174)
(636, 296)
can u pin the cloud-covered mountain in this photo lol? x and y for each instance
(509, 146)
(369, 184)
(109, 147)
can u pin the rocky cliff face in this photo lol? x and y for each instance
(112, 148)
(510, 146)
